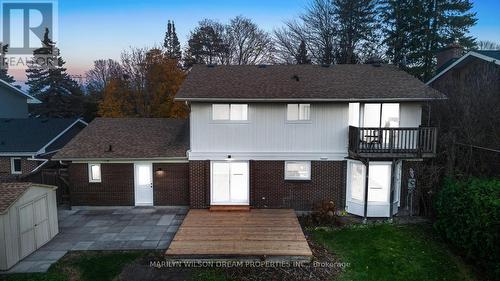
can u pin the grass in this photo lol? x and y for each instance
(393, 252)
(82, 266)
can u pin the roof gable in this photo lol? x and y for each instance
(490, 56)
(358, 82)
(15, 90)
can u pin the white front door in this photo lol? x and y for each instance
(379, 186)
(229, 183)
(143, 177)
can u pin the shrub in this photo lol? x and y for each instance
(468, 215)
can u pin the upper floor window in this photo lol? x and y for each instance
(381, 115)
(94, 172)
(298, 112)
(236, 112)
(15, 166)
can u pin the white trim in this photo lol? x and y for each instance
(92, 180)
(243, 100)
(471, 53)
(44, 161)
(308, 163)
(284, 156)
(12, 166)
(248, 183)
(42, 150)
(30, 99)
(17, 154)
(103, 160)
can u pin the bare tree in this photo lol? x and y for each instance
(248, 44)
(287, 39)
(488, 45)
(98, 78)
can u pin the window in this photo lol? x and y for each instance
(354, 114)
(295, 170)
(234, 112)
(15, 166)
(298, 112)
(94, 172)
(385, 115)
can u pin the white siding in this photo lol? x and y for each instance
(268, 135)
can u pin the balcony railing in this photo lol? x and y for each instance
(392, 142)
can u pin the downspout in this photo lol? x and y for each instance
(365, 211)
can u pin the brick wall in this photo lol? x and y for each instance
(116, 188)
(171, 184)
(199, 184)
(27, 166)
(268, 189)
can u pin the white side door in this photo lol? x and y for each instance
(355, 195)
(379, 187)
(41, 220)
(143, 178)
(229, 183)
(26, 230)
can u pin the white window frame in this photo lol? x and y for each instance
(308, 164)
(90, 172)
(12, 166)
(298, 117)
(230, 114)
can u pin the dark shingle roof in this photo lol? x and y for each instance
(303, 82)
(129, 138)
(490, 53)
(30, 134)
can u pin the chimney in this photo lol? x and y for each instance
(451, 51)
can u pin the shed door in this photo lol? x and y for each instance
(41, 219)
(26, 230)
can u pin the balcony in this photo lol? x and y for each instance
(392, 142)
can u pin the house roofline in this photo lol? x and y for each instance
(304, 99)
(31, 99)
(124, 160)
(42, 150)
(469, 54)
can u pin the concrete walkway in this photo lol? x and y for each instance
(126, 228)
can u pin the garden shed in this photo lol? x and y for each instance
(28, 220)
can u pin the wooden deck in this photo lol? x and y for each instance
(259, 232)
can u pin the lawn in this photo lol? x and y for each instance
(83, 266)
(393, 252)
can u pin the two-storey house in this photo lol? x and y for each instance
(281, 136)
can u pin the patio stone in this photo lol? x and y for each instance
(81, 246)
(165, 220)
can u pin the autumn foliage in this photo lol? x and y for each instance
(146, 88)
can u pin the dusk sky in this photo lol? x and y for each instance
(95, 29)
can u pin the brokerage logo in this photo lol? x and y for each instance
(28, 28)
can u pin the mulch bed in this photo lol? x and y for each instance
(324, 266)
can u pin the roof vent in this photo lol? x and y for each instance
(2, 143)
(110, 148)
(325, 65)
(211, 65)
(377, 64)
(261, 66)
(44, 121)
(296, 78)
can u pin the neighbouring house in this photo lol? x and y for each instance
(27, 144)
(282, 136)
(129, 161)
(14, 101)
(469, 119)
(28, 220)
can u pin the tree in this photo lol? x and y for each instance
(48, 81)
(488, 45)
(302, 57)
(4, 70)
(247, 43)
(117, 99)
(206, 44)
(356, 25)
(99, 76)
(171, 42)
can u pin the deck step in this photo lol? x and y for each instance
(229, 208)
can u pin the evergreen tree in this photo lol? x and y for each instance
(48, 81)
(4, 74)
(356, 24)
(416, 29)
(302, 57)
(171, 42)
